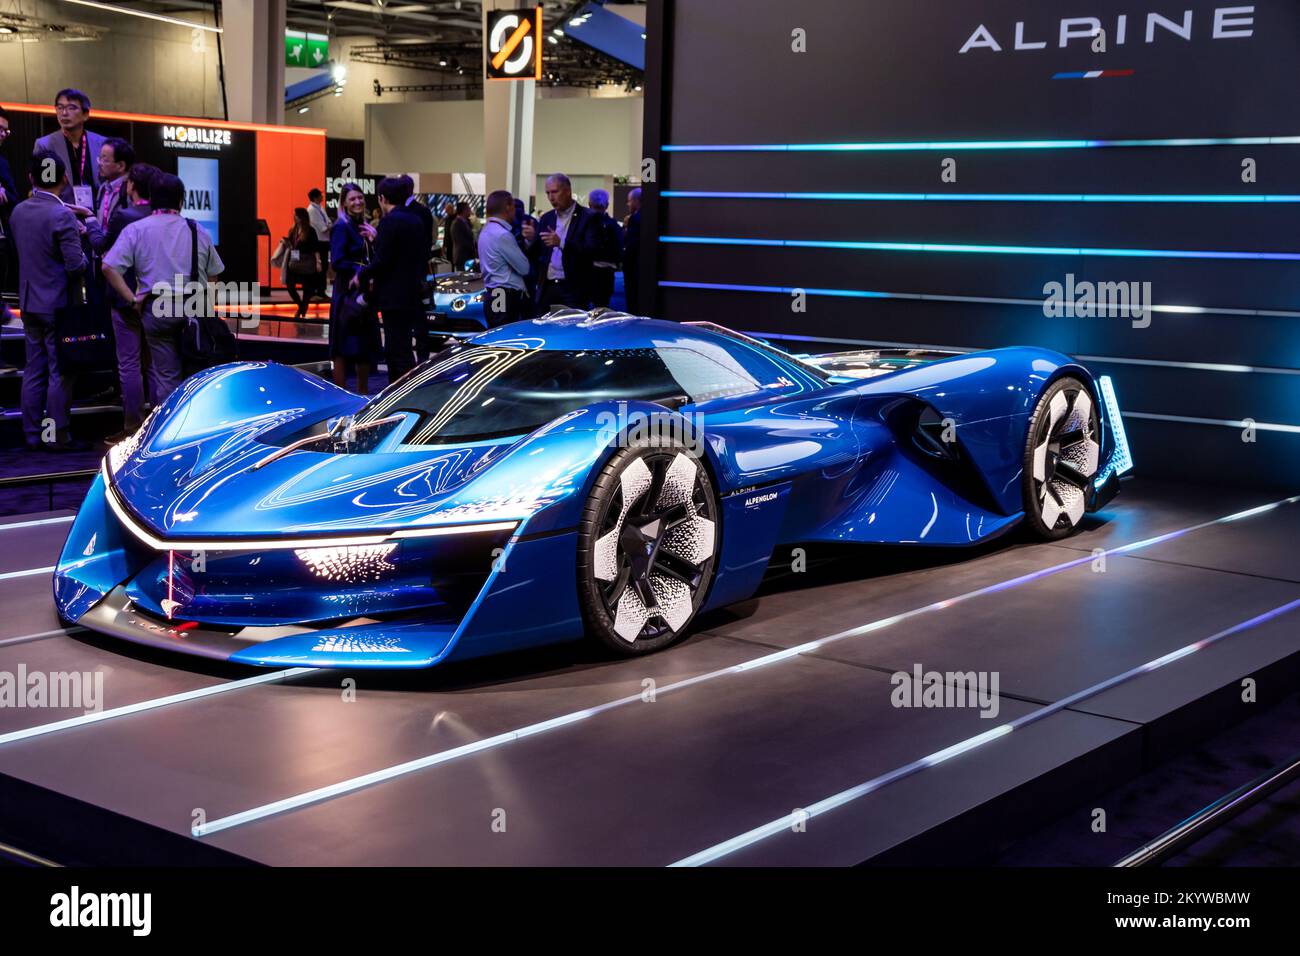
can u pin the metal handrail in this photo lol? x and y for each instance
(48, 478)
(1203, 821)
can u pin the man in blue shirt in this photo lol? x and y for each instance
(502, 262)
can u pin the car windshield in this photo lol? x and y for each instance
(481, 392)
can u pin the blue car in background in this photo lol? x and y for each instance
(456, 302)
(582, 474)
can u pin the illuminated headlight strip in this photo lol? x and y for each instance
(283, 544)
(1121, 460)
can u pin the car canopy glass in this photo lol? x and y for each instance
(481, 392)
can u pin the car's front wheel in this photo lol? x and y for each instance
(1061, 458)
(646, 547)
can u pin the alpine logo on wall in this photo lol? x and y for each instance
(514, 44)
(1219, 23)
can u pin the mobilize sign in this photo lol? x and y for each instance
(195, 137)
(1225, 23)
(513, 44)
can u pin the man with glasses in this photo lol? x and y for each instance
(76, 146)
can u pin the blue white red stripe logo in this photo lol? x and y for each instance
(1091, 74)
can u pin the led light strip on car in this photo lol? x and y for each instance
(283, 544)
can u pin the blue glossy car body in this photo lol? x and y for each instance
(457, 302)
(210, 532)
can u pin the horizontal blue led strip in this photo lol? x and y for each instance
(939, 297)
(949, 145)
(871, 246)
(985, 197)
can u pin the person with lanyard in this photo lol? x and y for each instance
(116, 157)
(503, 263)
(51, 263)
(158, 248)
(77, 146)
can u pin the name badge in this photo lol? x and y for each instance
(293, 255)
(84, 196)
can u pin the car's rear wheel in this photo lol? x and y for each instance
(646, 547)
(1061, 458)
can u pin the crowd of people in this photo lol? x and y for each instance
(98, 233)
(101, 231)
(568, 257)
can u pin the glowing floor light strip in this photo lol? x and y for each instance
(41, 635)
(785, 823)
(1009, 144)
(882, 246)
(987, 197)
(33, 524)
(147, 705)
(1225, 422)
(25, 574)
(421, 763)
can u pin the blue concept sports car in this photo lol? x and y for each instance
(580, 474)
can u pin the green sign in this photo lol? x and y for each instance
(310, 50)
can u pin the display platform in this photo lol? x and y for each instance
(704, 753)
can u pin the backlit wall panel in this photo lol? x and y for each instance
(823, 170)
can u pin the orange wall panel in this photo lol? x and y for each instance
(289, 165)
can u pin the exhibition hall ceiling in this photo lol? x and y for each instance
(442, 37)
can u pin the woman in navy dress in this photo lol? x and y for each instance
(354, 335)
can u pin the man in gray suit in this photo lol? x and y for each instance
(51, 260)
(76, 146)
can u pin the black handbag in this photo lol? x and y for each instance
(353, 312)
(206, 339)
(83, 335)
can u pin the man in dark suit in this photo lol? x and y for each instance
(562, 246)
(462, 237)
(76, 146)
(396, 274)
(8, 199)
(420, 209)
(606, 248)
(413, 205)
(632, 253)
(51, 262)
(522, 219)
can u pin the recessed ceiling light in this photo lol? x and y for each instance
(303, 109)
